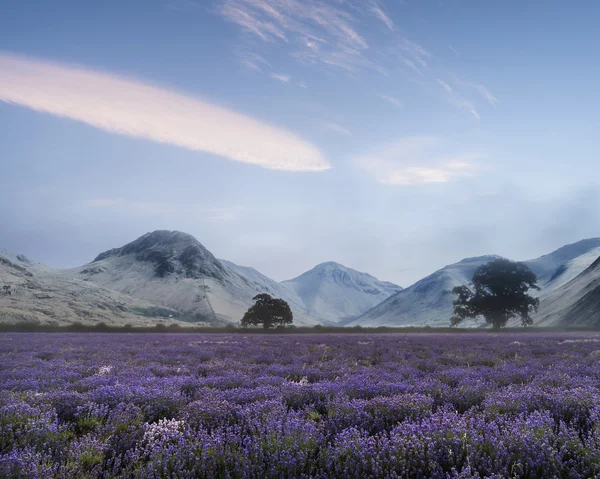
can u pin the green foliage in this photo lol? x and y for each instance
(498, 292)
(268, 312)
(90, 458)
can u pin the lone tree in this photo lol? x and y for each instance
(498, 291)
(267, 311)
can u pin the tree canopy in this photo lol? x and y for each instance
(268, 312)
(498, 292)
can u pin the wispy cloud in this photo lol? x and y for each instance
(392, 100)
(379, 13)
(338, 128)
(486, 94)
(131, 108)
(334, 33)
(316, 31)
(250, 64)
(417, 55)
(271, 19)
(457, 100)
(221, 214)
(478, 87)
(445, 86)
(417, 161)
(281, 77)
(239, 13)
(253, 61)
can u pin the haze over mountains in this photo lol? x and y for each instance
(170, 276)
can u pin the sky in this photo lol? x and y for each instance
(394, 137)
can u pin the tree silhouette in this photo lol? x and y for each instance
(498, 292)
(267, 311)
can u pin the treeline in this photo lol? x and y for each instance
(77, 327)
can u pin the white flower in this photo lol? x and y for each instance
(303, 381)
(162, 430)
(104, 370)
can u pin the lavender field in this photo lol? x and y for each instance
(267, 406)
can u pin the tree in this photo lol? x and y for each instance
(498, 292)
(267, 311)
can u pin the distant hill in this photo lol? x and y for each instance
(576, 302)
(336, 293)
(564, 263)
(33, 293)
(175, 270)
(429, 301)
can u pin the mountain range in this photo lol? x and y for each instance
(170, 276)
(428, 302)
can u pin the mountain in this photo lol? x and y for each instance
(174, 270)
(264, 284)
(565, 263)
(577, 302)
(429, 301)
(169, 274)
(31, 292)
(333, 292)
(22, 261)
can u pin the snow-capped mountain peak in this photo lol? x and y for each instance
(429, 301)
(171, 252)
(335, 292)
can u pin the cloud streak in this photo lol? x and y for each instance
(457, 100)
(392, 100)
(479, 88)
(379, 13)
(316, 31)
(131, 108)
(282, 77)
(273, 20)
(418, 161)
(253, 61)
(338, 129)
(412, 55)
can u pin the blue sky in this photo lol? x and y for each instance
(393, 137)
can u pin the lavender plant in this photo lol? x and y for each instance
(477, 405)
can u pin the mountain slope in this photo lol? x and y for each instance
(566, 272)
(334, 292)
(571, 259)
(31, 292)
(264, 284)
(427, 302)
(175, 270)
(575, 303)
